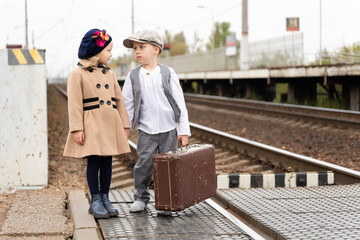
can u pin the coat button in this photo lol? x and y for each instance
(107, 86)
(104, 71)
(91, 70)
(108, 103)
(101, 102)
(98, 85)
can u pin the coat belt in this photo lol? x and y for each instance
(95, 99)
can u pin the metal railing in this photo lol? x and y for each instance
(345, 58)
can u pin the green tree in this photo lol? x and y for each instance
(345, 54)
(350, 53)
(218, 35)
(177, 43)
(197, 45)
(124, 59)
(325, 59)
(354, 48)
(167, 37)
(114, 62)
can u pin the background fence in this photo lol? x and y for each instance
(281, 51)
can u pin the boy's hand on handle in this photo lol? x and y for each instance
(184, 140)
(127, 132)
(79, 137)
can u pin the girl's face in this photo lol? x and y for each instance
(145, 53)
(106, 54)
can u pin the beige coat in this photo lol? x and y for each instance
(96, 106)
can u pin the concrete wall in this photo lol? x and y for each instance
(355, 97)
(23, 125)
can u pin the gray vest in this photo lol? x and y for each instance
(135, 81)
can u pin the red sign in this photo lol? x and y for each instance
(292, 24)
(167, 46)
(231, 44)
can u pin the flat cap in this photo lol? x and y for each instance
(145, 36)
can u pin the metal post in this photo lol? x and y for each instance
(213, 43)
(212, 17)
(244, 50)
(132, 62)
(293, 51)
(302, 48)
(26, 27)
(33, 39)
(320, 60)
(132, 16)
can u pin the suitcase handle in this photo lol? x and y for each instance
(180, 142)
(181, 148)
(186, 147)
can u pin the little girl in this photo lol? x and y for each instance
(98, 121)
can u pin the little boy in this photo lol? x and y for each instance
(155, 104)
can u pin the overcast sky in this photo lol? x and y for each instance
(58, 26)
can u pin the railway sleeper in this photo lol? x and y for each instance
(122, 184)
(305, 125)
(234, 166)
(218, 150)
(117, 164)
(118, 169)
(122, 175)
(252, 169)
(227, 160)
(194, 140)
(222, 155)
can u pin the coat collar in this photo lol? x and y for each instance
(84, 62)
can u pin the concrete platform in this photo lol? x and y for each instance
(323, 212)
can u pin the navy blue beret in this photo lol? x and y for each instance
(93, 43)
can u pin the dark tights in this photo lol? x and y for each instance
(95, 165)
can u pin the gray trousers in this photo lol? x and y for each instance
(147, 146)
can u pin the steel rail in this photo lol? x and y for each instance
(333, 116)
(234, 220)
(61, 90)
(284, 105)
(276, 156)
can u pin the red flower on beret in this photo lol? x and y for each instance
(101, 37)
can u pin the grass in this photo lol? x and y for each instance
(322, 98)
(280, 88)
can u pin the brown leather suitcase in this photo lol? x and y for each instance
(184, 177)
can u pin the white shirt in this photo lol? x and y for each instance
(156, 114)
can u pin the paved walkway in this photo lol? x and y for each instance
(37, 214)
(325, 212)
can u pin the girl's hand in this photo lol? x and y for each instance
(184, 140)
(79, 137)
(127, 132)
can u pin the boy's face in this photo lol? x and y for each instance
(106, 54)
(145, 53)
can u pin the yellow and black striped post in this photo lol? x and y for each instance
(19, 56)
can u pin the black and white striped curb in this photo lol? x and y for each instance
(271, 180)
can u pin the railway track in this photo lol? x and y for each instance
(236, 155)
(334, 118)
(233, 154)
